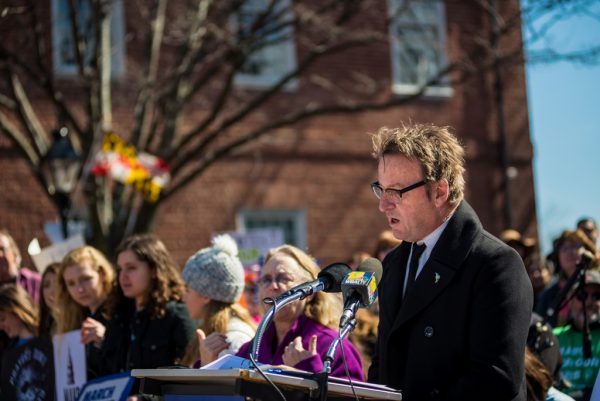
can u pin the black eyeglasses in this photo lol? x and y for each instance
(583, 295)
(392, 194)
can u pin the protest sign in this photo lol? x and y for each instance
(254, 244)
(56, 252)
(69, 365)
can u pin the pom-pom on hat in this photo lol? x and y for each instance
(216, 271)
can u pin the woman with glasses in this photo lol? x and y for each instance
(85, 278)
(303, 330)
(565, 256)
(214, 278)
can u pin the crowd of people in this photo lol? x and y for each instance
(565, 326)
(461, 314)
(145, 312)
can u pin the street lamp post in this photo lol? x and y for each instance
(60, 169)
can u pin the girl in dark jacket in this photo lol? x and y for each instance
(150, 326)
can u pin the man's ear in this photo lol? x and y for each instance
(441, 192)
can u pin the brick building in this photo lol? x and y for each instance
(312, 179)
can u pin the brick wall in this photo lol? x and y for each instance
(322, 166)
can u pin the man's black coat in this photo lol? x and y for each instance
(460, 333)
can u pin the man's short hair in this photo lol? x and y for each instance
(437, 150)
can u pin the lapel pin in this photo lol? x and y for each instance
(437, 277)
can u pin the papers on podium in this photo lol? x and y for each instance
(230, 362)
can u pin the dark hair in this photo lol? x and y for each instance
(166, 285)
(47, 321)
(568, 235)
(538, 378)
(585, 219)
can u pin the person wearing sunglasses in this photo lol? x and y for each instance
(455, 301)
(580, 371)
(589, 228)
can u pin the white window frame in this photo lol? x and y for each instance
(407, 88)
(59, 32)
(287, 64)
(296, 216)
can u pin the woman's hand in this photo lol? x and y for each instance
(211, 346)
(92, 331)
(294, 352)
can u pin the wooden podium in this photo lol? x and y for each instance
(244, 384)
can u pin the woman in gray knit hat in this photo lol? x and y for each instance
(215, 281)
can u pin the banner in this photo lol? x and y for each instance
(27, 372)
(70, 366)
(107, 388)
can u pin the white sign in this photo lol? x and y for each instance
(107, 388)
(255, 243)
(56, 252)
(69, 365)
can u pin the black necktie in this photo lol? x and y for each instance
(417, 251)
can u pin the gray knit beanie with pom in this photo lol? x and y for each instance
(216, 271)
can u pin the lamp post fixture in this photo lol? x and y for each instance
(60, 169)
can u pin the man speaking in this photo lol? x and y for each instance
(455, 301)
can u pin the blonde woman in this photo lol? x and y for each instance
(214, 278)
(302, 331)
(86, 278)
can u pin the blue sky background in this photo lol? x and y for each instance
(564, 110)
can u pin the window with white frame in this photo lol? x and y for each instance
(63, 53)
(291, 222)
(273, 53)
(418, 41)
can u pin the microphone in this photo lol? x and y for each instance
(329, 280)
(360, 288)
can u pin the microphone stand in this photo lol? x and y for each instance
(268, 317)
(572, 283)
(586, 334)
(328, 358)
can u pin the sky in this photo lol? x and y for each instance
(564, 112)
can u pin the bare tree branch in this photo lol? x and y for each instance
(140, 129)
(19, 139)
(27, 115)
(206, 158)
